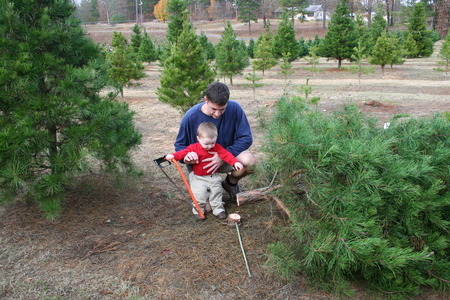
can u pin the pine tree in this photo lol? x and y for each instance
(410, 49)
(125, 63)
(377, 27)
(444, 54)
(247, 12)
(177, 12)
(186, 72)
(264, 59)
(341, 38)
(417, 29)
(136, 38)
(385, 52)
(231, 57)
(369, 205)
(54, 123)
(253, 78)
(251, 48)
(285, 41)
(147, 52)
(207, 46)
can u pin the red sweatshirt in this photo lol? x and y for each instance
(224, 154)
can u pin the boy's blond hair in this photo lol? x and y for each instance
(207, 130)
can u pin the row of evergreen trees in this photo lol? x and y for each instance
(346, 39)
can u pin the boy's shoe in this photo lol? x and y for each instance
(198, 217)
(231, 189)
(222, 215)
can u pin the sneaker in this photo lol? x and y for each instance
(222, 215)
(231, 189)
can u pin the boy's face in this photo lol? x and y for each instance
(207, 142)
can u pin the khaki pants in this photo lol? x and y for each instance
(208, 187)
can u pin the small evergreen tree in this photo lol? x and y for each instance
(231, 57)
(444, 54)
(186, 72)
(304, 48)
(312, 60)
(286, 70)
(254, 82)
(341, 38)
(410, 49)
(136, 38)
(385, 52)
(358, 57)
(417, 29)
(264, 59)
(284, 41)
(147, 52)
(125, 63)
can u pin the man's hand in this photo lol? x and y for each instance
(191, 158)
(215, 163)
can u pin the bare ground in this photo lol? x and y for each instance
(140, 241)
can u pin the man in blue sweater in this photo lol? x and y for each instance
(234, 134)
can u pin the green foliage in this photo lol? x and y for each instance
(358, 57)
(54, 124)
(251, 48)
(377, 27)
(303, 49)
(207, 46)
(369, 204)
(136, 38)
(254, 82)
(312, 60)
(410, 49)
(125, 63)
(385, 52)
(264, 59)
(177, 12)
(247, 10)
(417, 30)
(147, 52)
(444, 54)
(284, 41)
(286, 68)
(231, 56)
(186, 72)
(341, 36)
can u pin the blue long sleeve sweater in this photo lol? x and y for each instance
(234, 130)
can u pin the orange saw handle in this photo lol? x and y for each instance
(188, 187)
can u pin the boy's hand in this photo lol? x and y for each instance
(169, 157)
(191, 158)
(238, 166)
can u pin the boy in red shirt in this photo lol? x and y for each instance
(204, 185)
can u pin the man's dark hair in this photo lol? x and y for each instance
(218, 93)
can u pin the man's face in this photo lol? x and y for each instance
(207, 142)
(215, 110)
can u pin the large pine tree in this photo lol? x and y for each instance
(231, 57)
(418, 31)
(53, 120)
(186, 72)
(285, 45)
(341, 37)
(247, 12)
